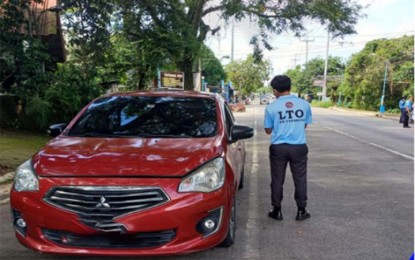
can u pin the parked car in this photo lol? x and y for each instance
(263, 100)
(145, 173)
(238, 107)
(266, 99)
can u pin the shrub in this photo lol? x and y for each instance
(323, 104)
(38, 113)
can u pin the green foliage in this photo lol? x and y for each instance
(8, 110)
(264, 90)
(38, 112)
(302, 78)
(72, 90)
(212, 69)
(248, 75)
(323, 104)
(364, 77)
(126, 41)
(175, 30)
(22, 70)
(393, 111)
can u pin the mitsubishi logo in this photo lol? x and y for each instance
(102, 203)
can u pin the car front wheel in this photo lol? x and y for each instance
(230, 237)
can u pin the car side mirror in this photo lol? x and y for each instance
(56, 129)
(241, 132)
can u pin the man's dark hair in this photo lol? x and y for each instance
(281, 83)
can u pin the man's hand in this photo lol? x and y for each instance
(268, 131)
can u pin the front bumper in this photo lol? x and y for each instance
(49, 227)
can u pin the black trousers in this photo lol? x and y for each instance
(280, 155)
(405, 119)
(402, 116)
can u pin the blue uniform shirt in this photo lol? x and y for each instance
(287, 116)
(402, 104)
(408, 104)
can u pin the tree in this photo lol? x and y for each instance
(302, 79)
(23, 55)
(178, 28)
(365, 73)
(184, 19)
(212, 68)
(248, 75)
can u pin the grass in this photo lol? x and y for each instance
(323, 104)
(17, 147)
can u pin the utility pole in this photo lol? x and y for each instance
(295, 60)
(306, 40)
(232, 40)
(382, 98)
(324, 90)
(199, 78)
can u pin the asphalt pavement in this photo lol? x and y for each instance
(361, 196)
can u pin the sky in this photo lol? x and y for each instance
(384, 19)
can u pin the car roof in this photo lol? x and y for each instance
(165, 92)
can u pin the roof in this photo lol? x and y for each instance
(165, 92)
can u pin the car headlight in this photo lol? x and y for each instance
(207, 178)
(25, 179)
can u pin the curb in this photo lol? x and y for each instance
(4, 193)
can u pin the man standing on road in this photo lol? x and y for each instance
(286, 120)
(402, 108)
(408, 111)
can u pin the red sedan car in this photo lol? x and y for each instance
(145, 173)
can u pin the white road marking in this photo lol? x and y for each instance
(251, 250)
(370, 143)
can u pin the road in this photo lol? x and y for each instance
(361, 196)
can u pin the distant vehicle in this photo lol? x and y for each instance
(143, 173)
(266, 99)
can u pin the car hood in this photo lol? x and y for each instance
(119, 157)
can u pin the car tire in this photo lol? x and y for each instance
(241, 181)
(230, 237)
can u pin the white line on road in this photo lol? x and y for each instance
(251, 251)
(370, 143)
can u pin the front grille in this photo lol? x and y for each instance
(138, 240)
(97, 207)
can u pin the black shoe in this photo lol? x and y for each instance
(406, 127)
(275, 214)
(302, 215)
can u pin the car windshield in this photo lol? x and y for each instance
(168, 117)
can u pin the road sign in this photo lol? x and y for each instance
(172, 80)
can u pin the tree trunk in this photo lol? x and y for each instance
(187, 68)
(142, 80)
